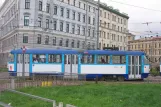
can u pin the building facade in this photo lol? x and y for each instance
(131, 37)
(67, 24)
(113, 28)
(151, 46)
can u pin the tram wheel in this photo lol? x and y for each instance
(120, 78)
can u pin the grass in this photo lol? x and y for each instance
(91, 95)
(3, 69)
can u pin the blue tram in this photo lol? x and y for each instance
(102, 63)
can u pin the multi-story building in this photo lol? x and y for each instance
(150, 45)
(131, 37)
(68, 24)
(113, 28)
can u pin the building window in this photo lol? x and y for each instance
(89, 32)
(46, 40)
(74, 2)
(84, 30)
(99, 45)
(79, 16)
(39, 21)
(62, 12)
(27, 4)
(73, 29)
(26, 20)
(84, 18)
(72, 44)
(79, 4)
(54, 41)
(104, 14)
(78, 43)
(89, 8)
(93, 33)
(61, 42)
(108, 25)
(101, 13)
(84, 6)
(83, 44)
(78, 30)
(73, 15)
(25, 38)
(55, 24)
(68, 13)
(93, 21)
(89, 46)
(89, 20)
(108, 16)
(39, 39)
(94, 9)
(48, 8)
(61, 26)
(67, 43)
(47, 23)
(67, 27)
(55, 10)
(93, 46)
(68, 1)
(40, 5)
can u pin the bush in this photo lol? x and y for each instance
(155, 72)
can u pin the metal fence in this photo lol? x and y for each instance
(11, 83)
(34, 80)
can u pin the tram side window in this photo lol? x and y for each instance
(11, 58)
(37, 58)
(118, 59)
(55, 58)
(87, 59)
(103, 59)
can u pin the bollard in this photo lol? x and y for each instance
(54, 103)
(60, 104)
(12, 83)
(96, 79)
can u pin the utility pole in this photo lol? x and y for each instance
(151, 47)
(98, 22)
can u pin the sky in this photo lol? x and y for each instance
(138, 16)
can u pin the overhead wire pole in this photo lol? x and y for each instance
(151, 47)
(98, 24)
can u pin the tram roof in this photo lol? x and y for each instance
(45, 51)
(63, 51)
(108, 52)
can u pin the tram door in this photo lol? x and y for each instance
(20, 65)
(135, 67)
(71, 65)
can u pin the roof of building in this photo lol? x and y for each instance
(62, 51)
(147, 39)
(113, 10)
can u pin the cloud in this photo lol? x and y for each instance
(1, 2)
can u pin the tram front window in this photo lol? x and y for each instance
(39, 58)
(11, 58)
(146, 61)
